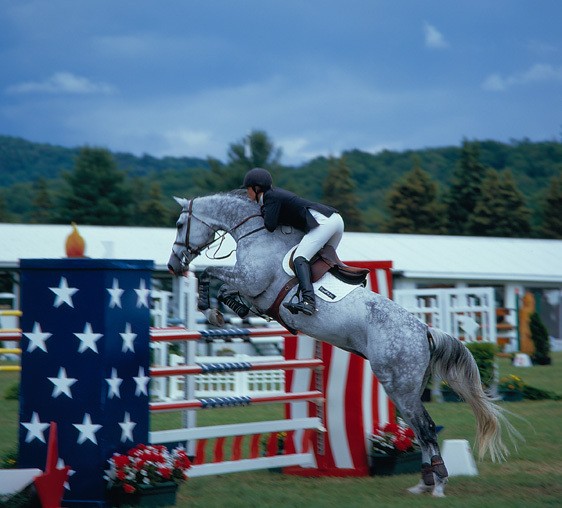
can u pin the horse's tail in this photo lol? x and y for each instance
(452, 361)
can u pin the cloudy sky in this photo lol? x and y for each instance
(189, 77)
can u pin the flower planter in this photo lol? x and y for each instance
(511, 395)
(388, 465)
(162, 494)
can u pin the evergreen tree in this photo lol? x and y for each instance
(500, 209)
(43, 210)
(152, 211)
(5, 216)
(254, 150)
(340, 192)
(465, 189)
(97, 192)
(552, 209)
(414, 206)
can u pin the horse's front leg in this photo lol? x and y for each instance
(234, 282)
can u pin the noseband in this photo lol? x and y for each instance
(197, 250)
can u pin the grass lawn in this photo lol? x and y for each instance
(532, 476)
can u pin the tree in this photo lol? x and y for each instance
(96, 191)
(500, 209)
(552, 209)
(5, 216)
(42, 211)
(254, 150)
(465, 189)
(340, 192)
(152, 211)
(413, 205)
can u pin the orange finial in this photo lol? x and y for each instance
(75, 245)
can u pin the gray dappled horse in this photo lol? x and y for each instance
(402, 350)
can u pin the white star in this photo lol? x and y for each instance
(37, 338)
(128, 339)
(115, 293)
(114, 383)
(142, 294)
(87, 429)
(88, 339)
(35, 429)
(62, 383)
(64, 293)
(127, 428)
(142, 383)
(61, 465)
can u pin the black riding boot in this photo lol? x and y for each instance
(307, 304)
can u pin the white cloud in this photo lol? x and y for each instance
(434, 39)
(536, 74)
(62, 83)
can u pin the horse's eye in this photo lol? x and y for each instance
(179, 225)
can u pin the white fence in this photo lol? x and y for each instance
(222, 384)
(466, 313)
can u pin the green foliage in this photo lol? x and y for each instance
(552, 209)
(500, 208)
(340, 192)
(413, 205)
(532, 393)
(465, 191)
(254, 150)
(541, 341)
(484, 355)
(96, 192)
(43, 208)
(456, 170)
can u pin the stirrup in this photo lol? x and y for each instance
(305, 307)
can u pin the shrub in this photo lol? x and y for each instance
(484, 355)
(539, 336)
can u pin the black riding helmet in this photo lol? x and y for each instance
(258, 177)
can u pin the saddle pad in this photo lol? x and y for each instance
(328, 288)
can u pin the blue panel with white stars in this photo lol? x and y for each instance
(85, 364)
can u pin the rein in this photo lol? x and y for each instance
(221, 237)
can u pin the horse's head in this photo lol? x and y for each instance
(193, 235)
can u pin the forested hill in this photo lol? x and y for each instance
(32, 178)
(24, 161)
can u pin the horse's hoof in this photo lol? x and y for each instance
(439, 491)
(420, 488)
(214, 317)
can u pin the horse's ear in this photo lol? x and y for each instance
(181, 201)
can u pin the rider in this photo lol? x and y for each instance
(321, 224)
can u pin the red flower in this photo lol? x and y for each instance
(402, 443)
(393, 428)
(121, 460)
(165, 472)
(409, 433)
(129, 489)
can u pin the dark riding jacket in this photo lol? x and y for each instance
(282, 207)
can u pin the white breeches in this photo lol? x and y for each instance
(329, 232)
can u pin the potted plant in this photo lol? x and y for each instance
(511, 388)
(394, 450)
(147, 475)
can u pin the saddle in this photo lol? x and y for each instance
(325, 261)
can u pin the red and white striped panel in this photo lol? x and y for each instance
(355, 404)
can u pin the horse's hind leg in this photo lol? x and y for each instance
(434, 475)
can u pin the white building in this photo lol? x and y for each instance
(510, 265)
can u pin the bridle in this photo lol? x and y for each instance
(197, 250)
